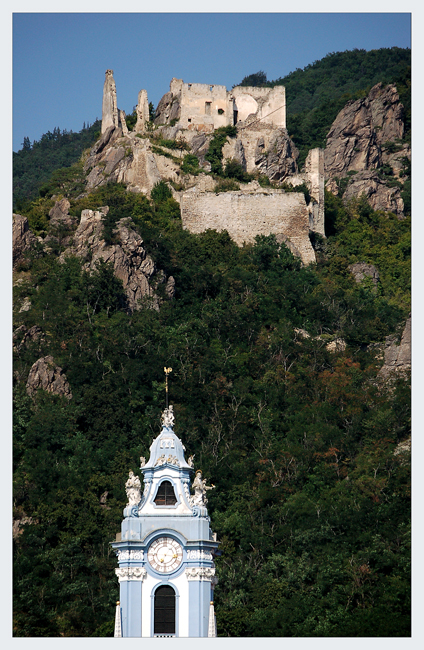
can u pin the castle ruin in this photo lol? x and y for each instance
(192, 112)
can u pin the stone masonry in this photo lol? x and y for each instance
(246, 213)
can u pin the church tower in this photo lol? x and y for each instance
(166, 547)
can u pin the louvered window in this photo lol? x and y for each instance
(164, 610)
(165, 495)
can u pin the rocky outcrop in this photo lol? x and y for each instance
(168, 109)
(109, 106)
(131, 263)
(264, 149)
(358, 144)
(45, 374)
(397, 358)
(380, 196)
(23, 337)
(356, 136)
(403, 452)
(59, 214)
(61, 224)
(361, 270)
(22, 239)
(127, 160)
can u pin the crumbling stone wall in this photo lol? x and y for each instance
(249, 212)
(205, 107)
(266, 104)
(313, 176)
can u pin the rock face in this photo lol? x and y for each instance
(47, 375)
(397, 358)
(358, 143)
(27, 337)
(264, 149)
(123, 159)
(356, 136)
(22, 238)
(362, 270)
(59, 214)
(379, 195)
(131, 264)
(109, 106)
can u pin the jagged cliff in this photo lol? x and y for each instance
(364, 146)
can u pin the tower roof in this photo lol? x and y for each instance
(167, 449)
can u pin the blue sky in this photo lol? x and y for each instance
(59, 59)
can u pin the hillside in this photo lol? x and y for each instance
(36, 161)
(290, 386)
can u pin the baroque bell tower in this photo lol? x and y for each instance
(166, 547)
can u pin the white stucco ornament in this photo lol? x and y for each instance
(133, 489)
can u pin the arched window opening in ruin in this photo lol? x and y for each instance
(208, 108)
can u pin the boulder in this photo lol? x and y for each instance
(397, 358)
(45, 374)
(361, 270)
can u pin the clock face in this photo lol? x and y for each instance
(165, 555)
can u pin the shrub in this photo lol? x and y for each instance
(190, 164)
(214, 155)
(226, 185)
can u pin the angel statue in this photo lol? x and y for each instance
(133, 489)
(199, 486)
(168, 418)
(142, 461)
(190, 460)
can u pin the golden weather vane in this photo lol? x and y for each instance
(167, 371)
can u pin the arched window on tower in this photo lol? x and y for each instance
(164, 617)
(165, 496)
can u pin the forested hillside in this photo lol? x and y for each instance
(36, 161)
(276, 390)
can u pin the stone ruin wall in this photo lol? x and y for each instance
(245, 214)
(202, 107)
(313, 176)
(267, 105)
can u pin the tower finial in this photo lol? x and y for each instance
(167, 371)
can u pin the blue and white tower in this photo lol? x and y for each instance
(166, 547)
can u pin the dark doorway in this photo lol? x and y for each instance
(165, 496)
(164, 622)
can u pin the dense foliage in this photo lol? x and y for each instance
(311, 505)
(34, 163)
